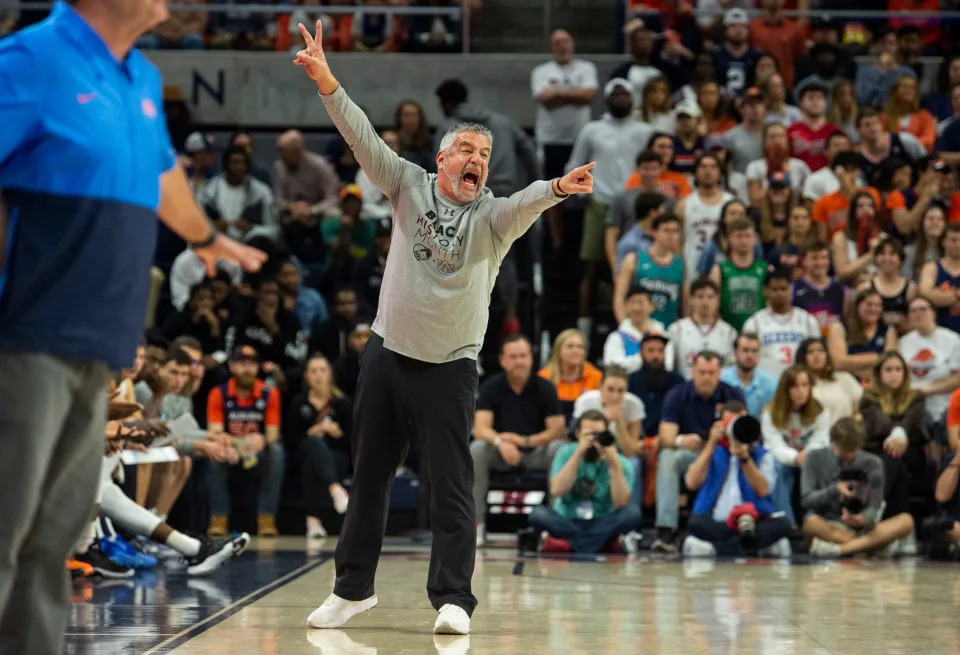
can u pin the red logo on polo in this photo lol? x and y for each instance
(149, 109)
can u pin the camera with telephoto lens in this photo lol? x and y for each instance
(605, 439)
(744, 429)
(857, 478)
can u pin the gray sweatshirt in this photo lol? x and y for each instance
(818, 483)
(444, 257)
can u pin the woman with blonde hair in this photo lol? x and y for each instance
(569, 370)
(655, 106)
(903, 113)
(714, 119)
(893, 416)
(792, 424)
(844, 109)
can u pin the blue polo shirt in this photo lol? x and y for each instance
(758, 394)
(694, 413)
(83, 142)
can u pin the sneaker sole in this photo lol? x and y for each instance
(359, 608)
(116, 575)
(230, 550)
(448, 629)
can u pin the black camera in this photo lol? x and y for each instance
(605, 439)
(857, 479)
(744, 429)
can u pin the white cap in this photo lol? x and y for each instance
(199, 142)
(616, 82)
(689, 107)
(735, 17)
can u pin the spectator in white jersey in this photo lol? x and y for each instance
(780, 326)
(624, 411)
(623, 344)
(824, 181)
(700, 211)
(702, 330)
(657, 268)
(757, 387)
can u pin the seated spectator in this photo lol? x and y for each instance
(632, 228)
(907, 206)
(787, 254)
(642, 68)
(689, 412)
(793, 424)
(247, 411)
(875, 82)
(904, 114)
(434, 33)
(808, 136)
(852, 248)
(838, 391)
(241, 205)
(855, 345)
(784, 38)
(775, 204)
(415, 143)
(702, 330)
(842, 492)
(656, 267)
(687, 142)
(740, 276)
(244, 139)
(894, 288)
(843, 110)
(734, 483)
(932, 354)
(877, 144)
(199, 320)
(825, 64)
(949, 502)
(306, 187)
(940, 279)
(824, 297)
(925, 245)
(831, 212)
(344, 233)
(306, 303)
(183, 30)
(200, 163)
(368, 272)
(893, 417)
(716, 249)
(318, 430)
(653, 381)
(590, 485)
(376, 206)
(189, 270)
(731, 181)
(780, 326)
(237, 29)
(825, 181)
(672, 184)
(733, 56)
(654, 108)
(372, 30)
(273, 331)
(623, 344)
(331, 337)
(757, 387)
(776, 159)
(777, 109)
(623, 411)
(518, 422)
(569, 371)
(347, 369)
(713, 119)
(939, 102)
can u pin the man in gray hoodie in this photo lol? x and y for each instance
(418, 373)
(513, 165)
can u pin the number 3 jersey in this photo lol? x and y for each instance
(700, 222)
(780, 334)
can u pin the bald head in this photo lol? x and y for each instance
(290, 148)
(561, 46)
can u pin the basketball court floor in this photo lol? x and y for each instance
(258, 604)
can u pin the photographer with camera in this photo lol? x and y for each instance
(590, 483)
(734, 476)
(842, 491)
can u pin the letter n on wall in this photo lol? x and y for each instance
(216, 92)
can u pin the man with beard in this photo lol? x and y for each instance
(652, 382)
(700, 211)
(305, 302)
(757, 386)
(734, 58)
(419, 370)
(613, 141)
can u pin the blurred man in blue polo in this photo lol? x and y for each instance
(86, 166)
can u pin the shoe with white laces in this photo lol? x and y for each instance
(824, 549)
(336, 611)
(453, 620)
(693, 547)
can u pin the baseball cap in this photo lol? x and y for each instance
(616, 82)
(715, 141)
(753, 93)
(779, 179)
(200, 142)
(688, 108)
(244, 353)
(654, 334)
(351, 190)
(735, 17)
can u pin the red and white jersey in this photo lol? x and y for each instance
(780, 334)
(687, 338)
(809, 145)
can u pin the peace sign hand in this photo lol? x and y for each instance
(579, 180)
(313, 59)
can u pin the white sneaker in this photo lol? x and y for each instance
(453, 620)
(824, 549)
(631, 542)
(336, 611)
(481, 535)
(908, 545)
(315, 529)
(693, 547)
(779, 550)
(340, 500)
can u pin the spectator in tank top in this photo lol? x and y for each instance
(857, 345)
(940, 279)
(896, 290)
(823, 296)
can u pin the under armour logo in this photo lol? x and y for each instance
(449, 212)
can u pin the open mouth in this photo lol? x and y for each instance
(471, 179)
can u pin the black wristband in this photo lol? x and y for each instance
(744, 460)
(206, 243)
(560, 189)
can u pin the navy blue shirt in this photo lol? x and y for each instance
(693, 413)
(83, 144)
(652, 398)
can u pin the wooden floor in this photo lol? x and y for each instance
(258, 604)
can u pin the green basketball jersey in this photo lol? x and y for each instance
(741, 291)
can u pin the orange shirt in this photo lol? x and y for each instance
(954, 216)
(785, 41)
(922, 125)
(832, 209)
(570, 391)
(670, 183)
(261, 413)
(953, 410)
